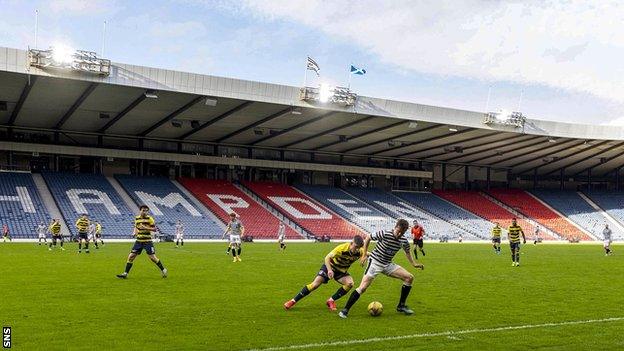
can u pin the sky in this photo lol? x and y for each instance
(552, 60)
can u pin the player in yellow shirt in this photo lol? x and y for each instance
(55, 229)
(496, 238)
(144, 225)
(98, 235)
(82, 224)
(514, 242)
(337, 262)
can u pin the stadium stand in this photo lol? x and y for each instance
(435, 228)
(613, 204)
(448, 212)
(168, 204)
(309, 214)
(222, 197)
(21, 207)
(483, 207)
(573, 206)
(76, 194)
(526, 204)
(357, 212)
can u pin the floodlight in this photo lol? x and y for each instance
(210, 101)
(412, 125)
(452, 130)
(63, 54)
(151, 94)
(324, 93)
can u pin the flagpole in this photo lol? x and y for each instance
(350, 75)
(305, 74)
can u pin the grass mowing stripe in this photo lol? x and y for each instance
(444, 333)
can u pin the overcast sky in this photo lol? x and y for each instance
(554, 60)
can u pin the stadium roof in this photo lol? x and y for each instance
(260, 114)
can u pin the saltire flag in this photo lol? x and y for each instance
(313, 66)
(358, 71)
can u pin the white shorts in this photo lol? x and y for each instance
(235, 239)
(179, 237)
(42, 236)
(280, 239)
(373, 268)
(606, 243)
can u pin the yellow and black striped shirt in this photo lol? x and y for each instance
(496, 232)
(83, 225)
(343, 258)
(514, 233)
(55, 229)
(143, 235)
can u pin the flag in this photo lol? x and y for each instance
(313, 66)
(358, 71)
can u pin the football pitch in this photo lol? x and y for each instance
(563, 297)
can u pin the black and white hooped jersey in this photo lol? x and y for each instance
(387, 246)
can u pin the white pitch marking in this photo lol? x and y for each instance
(444, 333)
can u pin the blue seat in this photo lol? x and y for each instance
(92, 194)
(168, 205)
(21, 208)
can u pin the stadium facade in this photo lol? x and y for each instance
(112, 131)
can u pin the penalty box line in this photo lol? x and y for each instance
(436, 334)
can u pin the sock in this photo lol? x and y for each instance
(303, 293)
(339, 293)
(61, 244)
(239, 250)
(160, 265)
(128, 267)
(87, 246)
(355, 295)
(405, 290)
(96, 245)
(51, 245)
(228, 250)
(182, 241)
(415, 254)
(177, 242)
(518, 257)
(422, 251)
(513, 256)
(79, 246)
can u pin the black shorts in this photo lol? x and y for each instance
(496, 240)
(419, 242)
(514, 246)
(57, 237)
(337, 274)
(84, 236)
(138, 247)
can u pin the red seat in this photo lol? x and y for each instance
(526, 204)
(222, 197)
(303, 210)
(485, 208)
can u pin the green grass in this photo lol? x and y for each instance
(62, 300)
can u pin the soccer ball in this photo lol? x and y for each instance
(375, 308)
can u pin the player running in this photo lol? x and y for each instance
(417, 234)
(179, 233)
(236, 230)
(389, 242)
(514, 242)
(82, 224)
(55, 230)
(98, 235)
(337, 262)
(281, 235)
(41, 232)
(91, 231)
(6, 235)
(606, 234)
(496, 238)
(144, 225)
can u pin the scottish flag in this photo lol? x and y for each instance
(358, 71)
